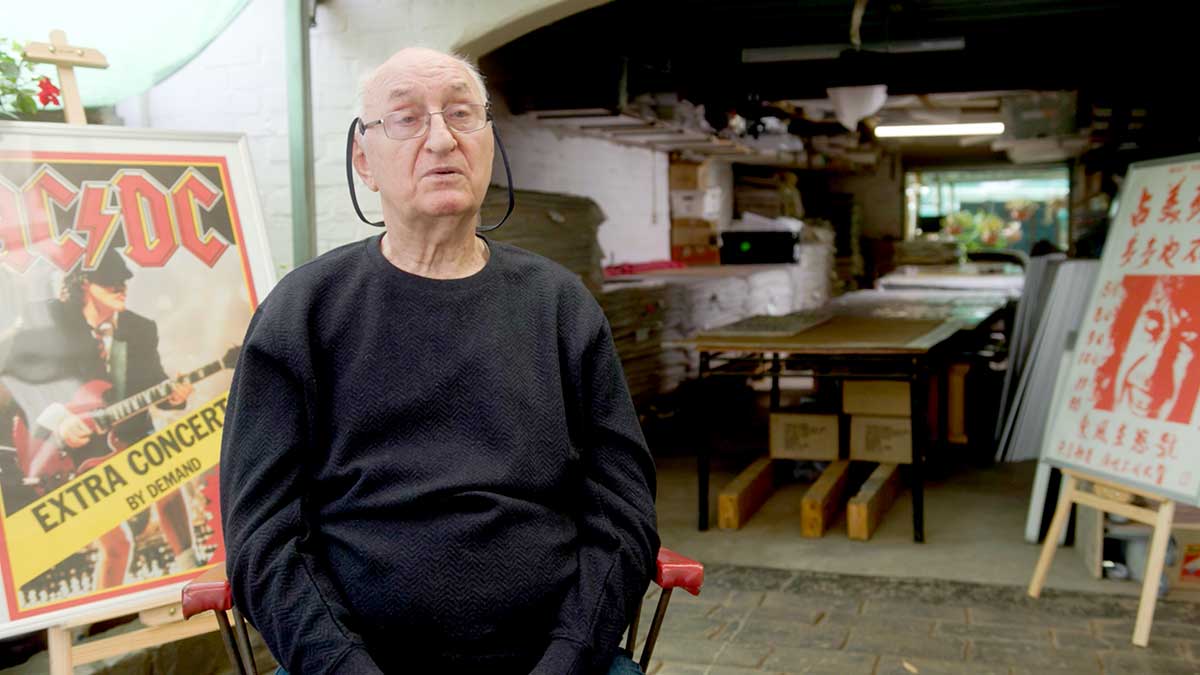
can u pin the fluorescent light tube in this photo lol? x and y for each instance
(914, 130)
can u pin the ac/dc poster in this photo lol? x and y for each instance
(126, 285)
(1129, 413)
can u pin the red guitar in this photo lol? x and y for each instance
(47, 461)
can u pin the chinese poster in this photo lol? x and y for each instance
(1130, 410)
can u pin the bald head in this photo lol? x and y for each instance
(398, 78)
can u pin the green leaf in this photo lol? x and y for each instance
(10, 70)
(26, 104)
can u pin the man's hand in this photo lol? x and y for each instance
(74, 431)
(180, 391)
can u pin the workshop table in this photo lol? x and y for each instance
(864, 337)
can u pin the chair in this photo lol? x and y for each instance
(211, 592)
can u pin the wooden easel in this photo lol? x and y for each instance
(66, 57)
(162, 623)
(1108, 497)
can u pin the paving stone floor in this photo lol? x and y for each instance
(760, 620)
(755, 620)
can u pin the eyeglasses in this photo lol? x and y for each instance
(404, 124)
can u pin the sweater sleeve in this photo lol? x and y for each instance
(618, 539)
(277, 582)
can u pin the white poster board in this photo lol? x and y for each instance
(131, 261)
(1129, 410)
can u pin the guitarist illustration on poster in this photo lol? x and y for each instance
(88, 343)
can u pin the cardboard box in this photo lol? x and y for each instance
(687, 232)
(956, 416)
(696, 204)
(1184, 575)
(804, 436)
(881, 439)
(689, 175)
(876, 397)
(696, 255)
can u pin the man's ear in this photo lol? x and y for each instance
(361, 166)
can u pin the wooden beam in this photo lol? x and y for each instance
(96, 650)
(865, 510)
(745, 495)
(823, 500)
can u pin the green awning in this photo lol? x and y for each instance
(144, 42)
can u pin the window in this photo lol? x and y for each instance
(1003, 208)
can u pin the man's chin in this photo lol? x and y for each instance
(447, 203)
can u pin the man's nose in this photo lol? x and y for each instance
(440, 140)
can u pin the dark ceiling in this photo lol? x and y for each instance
(1123, 58)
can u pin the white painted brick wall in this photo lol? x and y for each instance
(236, 84)
(239, 83)
(628, 183)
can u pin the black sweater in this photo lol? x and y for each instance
(435, 475)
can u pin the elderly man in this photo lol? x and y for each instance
(431, 462)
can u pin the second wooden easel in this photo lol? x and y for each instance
(1108, 497)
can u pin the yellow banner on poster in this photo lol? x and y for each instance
(94, 502)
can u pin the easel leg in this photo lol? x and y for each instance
(58, 646)
(919, 410)
(703, 451)
(1154, 568)
(1051, 544)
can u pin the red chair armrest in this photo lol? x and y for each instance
(208, 592)
(676, 571)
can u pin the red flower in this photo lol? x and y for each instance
(48, 93)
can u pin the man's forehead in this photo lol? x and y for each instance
(407, 88)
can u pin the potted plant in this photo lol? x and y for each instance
(20, 88)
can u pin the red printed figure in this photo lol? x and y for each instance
(1169, 252)
(1143, 210)
(1075, 404)
(1101, 432)
(1081, 384)
(1130, 250)
(1152, 369)
(1170, 210)
(1195, 205)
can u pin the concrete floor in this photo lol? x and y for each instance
(974, 524)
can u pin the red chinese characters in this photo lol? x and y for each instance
(1170, 209)
(1130, 251)
(1142, 213)
(1170, 251)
